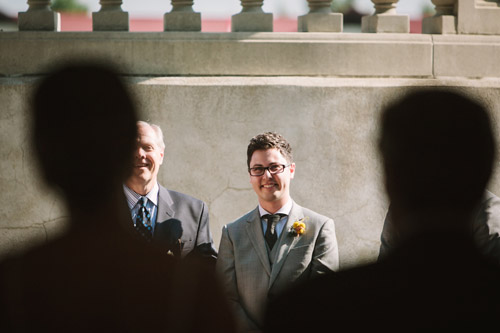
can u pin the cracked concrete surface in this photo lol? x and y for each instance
(330, 122)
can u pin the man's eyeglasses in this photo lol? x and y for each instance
(273, 169)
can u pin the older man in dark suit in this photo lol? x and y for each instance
(176, 222)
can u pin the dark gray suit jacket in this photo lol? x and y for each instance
(182, 225)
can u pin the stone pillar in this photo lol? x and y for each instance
(252, 17)
(182, 17)
(478, 17)
(39, 17)
(320, 18)
(385, 18)
(445, 20)
(111, 17)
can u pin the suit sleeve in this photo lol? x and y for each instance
(226, 271)
(326, 251)
(204, 241)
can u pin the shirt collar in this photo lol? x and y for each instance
(133, 197)
(285, 209)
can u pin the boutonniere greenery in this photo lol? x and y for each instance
(298, 227)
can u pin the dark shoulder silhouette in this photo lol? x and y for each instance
(98, 276)
(437, 149)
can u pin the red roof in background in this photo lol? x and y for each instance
(416, 27)
(83, 22)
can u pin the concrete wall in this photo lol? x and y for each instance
(211, 92)
(331, 123)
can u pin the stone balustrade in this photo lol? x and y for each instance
(320, 18)
(452, 17)
(111, 17)
(385, 48)
(39, 17)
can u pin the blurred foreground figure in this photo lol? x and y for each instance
(485, 227)
(438, 150)
(99, 276)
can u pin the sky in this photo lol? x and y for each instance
(223, 8)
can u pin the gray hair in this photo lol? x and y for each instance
(156, 129)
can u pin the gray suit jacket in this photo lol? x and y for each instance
(245, 270)
(182, 224)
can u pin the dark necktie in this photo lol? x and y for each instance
(271, 236)
(143, 220)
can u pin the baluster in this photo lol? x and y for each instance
(385, 18)
(252, 17)
(320, 18)
(182, 17)
(39, 16)
(110, 17)
(445, 20)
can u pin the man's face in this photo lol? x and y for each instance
(271, 188)
(148, 156)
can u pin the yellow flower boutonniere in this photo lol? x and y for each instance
(298, 227)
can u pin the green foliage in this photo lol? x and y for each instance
(428, 10)
(68, 6)
(341, 6)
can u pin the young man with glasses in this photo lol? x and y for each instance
(276, 245)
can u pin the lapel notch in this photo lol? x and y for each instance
(165, 204)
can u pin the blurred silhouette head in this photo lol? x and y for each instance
(438, 151)
(84, 132)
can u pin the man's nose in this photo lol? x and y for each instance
(267, 174)
(140, 152)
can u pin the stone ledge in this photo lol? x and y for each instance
(258, 54)
(211, 54)
(281, 81)
(466, 56)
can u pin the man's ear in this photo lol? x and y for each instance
(292, 170)
(162, 154)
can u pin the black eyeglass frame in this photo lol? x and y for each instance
(268, 168)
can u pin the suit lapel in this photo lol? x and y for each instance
(165, 204)
(256, 236)
(286, 242)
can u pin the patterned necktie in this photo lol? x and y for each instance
(143, 220)
(271, 236)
